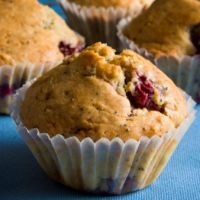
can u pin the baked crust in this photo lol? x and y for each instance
(165, 29)
(31, 32)
(86, 96)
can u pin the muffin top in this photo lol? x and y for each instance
(31, 32)
(169, 27)
(97, 93)
(111, 3)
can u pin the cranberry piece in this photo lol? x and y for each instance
(6, 90)
(67, 50)
(151, 105)
(195, 36)
(146, 85)
(142, 96)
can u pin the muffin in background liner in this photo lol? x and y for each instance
(13, 77)
(98, 23)
(185, 71)
(111, 167)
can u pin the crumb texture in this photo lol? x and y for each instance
(31, 32)
(169, 27)
(97, 93)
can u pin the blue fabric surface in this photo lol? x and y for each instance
(21, 177)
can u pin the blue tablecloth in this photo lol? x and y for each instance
(21, 177)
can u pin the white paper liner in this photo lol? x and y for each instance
(98, 24)
(185, 71)
(112, 167)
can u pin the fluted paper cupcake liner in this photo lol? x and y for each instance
(112, 167)
(98, 24)
(13, 77)
(185, 71)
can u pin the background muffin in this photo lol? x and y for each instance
(97, 20)
(175, 33)
(111, 121)
(33, 39)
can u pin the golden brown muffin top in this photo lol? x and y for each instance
(111, 3)
(98, 93)
(32, 32)
(169, 27)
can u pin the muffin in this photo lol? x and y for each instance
(33, 39)
(97, 19)
(75, 104)
(170, 40)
